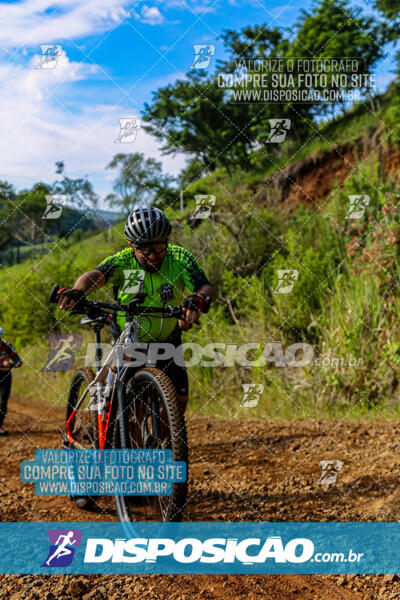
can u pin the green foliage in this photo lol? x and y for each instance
(78, 191)
(193, 116)
(390, 10)
(7, 198)
(246, 48)
(391, 116)
(344, 304)
(193, 171)
(335, 29)
(24, 309)
(22, 222)
(140, 180)
(313, 248)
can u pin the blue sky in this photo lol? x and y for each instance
(115, 53)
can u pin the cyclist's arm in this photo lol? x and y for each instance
(86, 283)
(207, 290)
(196, 281)
(90, 281)
(16, 360)
(13, 356)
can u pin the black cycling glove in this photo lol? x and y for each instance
(196, 302)
(72, 293)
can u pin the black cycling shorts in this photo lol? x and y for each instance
(176, 372)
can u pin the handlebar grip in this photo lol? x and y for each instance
(54, 293)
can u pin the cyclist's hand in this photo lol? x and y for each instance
(5, 365)
(191, 308)
(184, 325)
(68, 298)
(190, 316)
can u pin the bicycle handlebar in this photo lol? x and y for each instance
(133, 308)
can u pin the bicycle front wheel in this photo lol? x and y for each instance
(153, 420)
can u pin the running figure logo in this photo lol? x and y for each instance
(330, 470)
(54, 206)
(202, 55)
(204, 205)
(357, 207)
(133, 281)
(50, 54)
(251, 394)
(128, 128)
(61, 551)
(279, 129)
(62, 351)
(286, 280)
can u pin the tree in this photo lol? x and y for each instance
(202, 117)
(7, 198)
(192, 116)
(193, 170)
(333, 29)
(78, 191)
(26, 213)
(251, 43)
(250, 51)
(23, 216)
(140, 181)
(390, 9)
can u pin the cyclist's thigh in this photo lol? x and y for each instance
(176, 370)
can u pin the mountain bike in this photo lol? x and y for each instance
(139, 411)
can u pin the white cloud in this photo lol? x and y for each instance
(32, 22)
(193, 6)
(151, 15)
(39, 126)
(202, 10)
(40, 120)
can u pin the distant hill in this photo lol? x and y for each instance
(109, 215)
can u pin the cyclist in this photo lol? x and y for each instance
(8, 359)
(162, 271)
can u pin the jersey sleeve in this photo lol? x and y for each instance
(111, 269)
(12, 353)
(192, 273)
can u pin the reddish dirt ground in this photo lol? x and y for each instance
(242, 470)
(316, 176)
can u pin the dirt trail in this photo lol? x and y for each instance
(243, 470)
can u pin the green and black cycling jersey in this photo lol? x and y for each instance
(179, 270)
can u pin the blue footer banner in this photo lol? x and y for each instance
(196, 548)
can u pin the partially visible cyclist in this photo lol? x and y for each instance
(163, 272)
(9, 359)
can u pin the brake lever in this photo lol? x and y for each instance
(54, 294)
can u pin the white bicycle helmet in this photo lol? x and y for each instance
(146, 225)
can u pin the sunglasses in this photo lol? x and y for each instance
(156, 249)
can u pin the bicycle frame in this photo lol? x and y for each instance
(97, 402)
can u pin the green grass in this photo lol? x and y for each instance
(346, 301)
